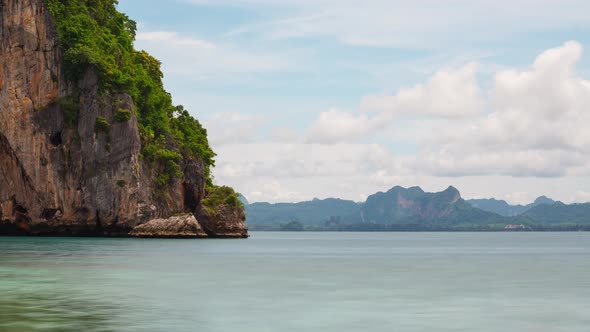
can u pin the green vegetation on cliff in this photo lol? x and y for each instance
(221, 195)
(93, 34)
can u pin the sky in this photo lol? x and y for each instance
(337, 98)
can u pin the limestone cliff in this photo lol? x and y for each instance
(414, 206)
(82, 176)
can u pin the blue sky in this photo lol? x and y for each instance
(325, 98)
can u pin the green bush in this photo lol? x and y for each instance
(221, 195)
(162, 180)
(102, 126)
(122, 115)
(121, 183)
(70, 106)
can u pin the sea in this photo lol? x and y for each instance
(324, 282)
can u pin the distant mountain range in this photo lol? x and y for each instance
(315, 212)
(504, 209)
(414, 206)
(414, 209)
(558, 213)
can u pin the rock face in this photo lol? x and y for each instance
(64, 176)
(414, 206)
(227, 221)
(400, 203)
(173, 227)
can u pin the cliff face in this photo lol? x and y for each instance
(81, 174)
(413, 205)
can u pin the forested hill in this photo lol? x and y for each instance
(502, 208)
(414, 209)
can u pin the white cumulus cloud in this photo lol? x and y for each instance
(536, 126)
(190, 57)
(523, 134)
(449, 93)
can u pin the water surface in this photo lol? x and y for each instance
(299, 282)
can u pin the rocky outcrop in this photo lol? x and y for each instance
(68, 165)
(182, 226)
(226, 220)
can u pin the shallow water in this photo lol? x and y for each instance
(299, 282)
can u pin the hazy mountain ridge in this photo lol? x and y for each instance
(560, 213)
(410, 208)
(502, 207)
(315, 212)
(414, 206)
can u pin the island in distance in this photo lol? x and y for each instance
(412, 209)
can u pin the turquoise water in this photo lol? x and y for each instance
(299, 282)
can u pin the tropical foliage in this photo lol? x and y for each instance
(221, 195)
(93, 34)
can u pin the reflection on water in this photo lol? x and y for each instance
(484, 282)
(36, 296)
(52, 312)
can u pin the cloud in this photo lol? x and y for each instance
(303, 170)
(273, 190)
(581, 196)
(519, 197)
(194, 58)
(527, 130)
(173, 38)
(449, 93)
(458, 162)
(536, 127)
(233, 127)
(432, 23)
(300, 160)
(283, 134)
(336, 126)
